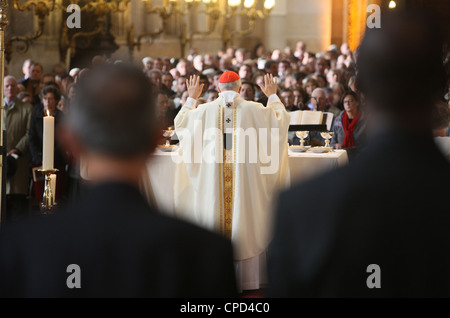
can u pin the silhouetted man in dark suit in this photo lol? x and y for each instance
(380, 226)
(111, 243)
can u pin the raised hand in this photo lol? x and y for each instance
(193, 87)
(270, 85)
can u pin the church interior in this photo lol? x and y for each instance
(297, 62)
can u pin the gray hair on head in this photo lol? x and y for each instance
(231, 86)
(10, 77)
(321, 91)
(147, 59)
(149, 73)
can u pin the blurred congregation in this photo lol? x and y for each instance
(317, 81)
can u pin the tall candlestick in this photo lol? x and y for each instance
(49, 142)
(53, 185)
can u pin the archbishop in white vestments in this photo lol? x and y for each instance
(235, 159)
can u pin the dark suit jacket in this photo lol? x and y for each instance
(124, 249)
(390, 208)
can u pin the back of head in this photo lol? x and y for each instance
(400, 65)
(113, 112)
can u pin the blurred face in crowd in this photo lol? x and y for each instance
(305, 69)
(319, 100)
(26, 68)
(148, 65)
(260, 50)
(321, 66)
(205, 83)
(259, 80)
(166, 66)
(36, 72)
(287, 97)
(350, 105)
(340, 64)
(300, 47)
(174, 73)
(181, 85)
(163, 103)
(198, 63)
(345, 49)
(283, 67)
(156, 79)
(230, 52)
(48, 78)
(62, 105)
(182, 67)
(60, 71)
(310, 87)
(289, 82)
(216, 80)
(321, 81)
(245, 71)
(311, 62)
(74, 73)
(332, 77)
(247, 92)
(212, 96)
(71, 93)
(158, 64)
(10, 89)
(275, 55)
(273, 69)
(50, 102)
(208, 60)
(167, 81)
(336, 94)
(298, 97)
(225, 63)
(240, 56)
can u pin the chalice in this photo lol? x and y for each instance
(327, 135)
(302, 135)
(168, 133)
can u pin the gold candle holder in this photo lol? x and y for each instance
(48, 203)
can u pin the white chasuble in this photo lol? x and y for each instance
(234, 163)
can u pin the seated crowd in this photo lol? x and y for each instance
(322, 81)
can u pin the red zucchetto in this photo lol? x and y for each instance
(228, 77)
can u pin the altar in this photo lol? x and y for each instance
(158, 184)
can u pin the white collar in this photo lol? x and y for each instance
(229, 96)
(11, 104)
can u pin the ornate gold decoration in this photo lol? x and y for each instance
(3, 23)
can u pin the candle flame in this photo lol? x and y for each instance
(48, 113)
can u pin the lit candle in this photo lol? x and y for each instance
(49, 142)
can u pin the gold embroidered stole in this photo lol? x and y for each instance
(226, 178)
